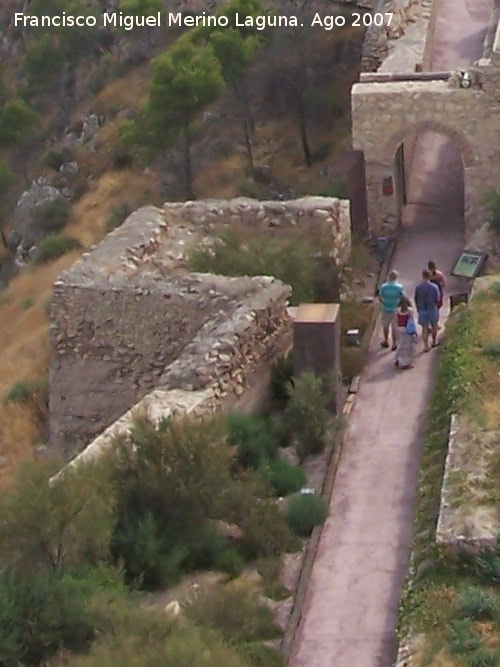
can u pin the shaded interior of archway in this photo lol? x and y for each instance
(432, 182)
(432, 217)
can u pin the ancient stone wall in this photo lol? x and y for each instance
(386, 114)
(128, 318)
(327, 214)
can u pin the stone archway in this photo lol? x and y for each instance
(386, 114)
(457, 137)
(429, 162)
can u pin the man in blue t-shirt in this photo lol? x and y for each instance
(427, 300)
(390, 294)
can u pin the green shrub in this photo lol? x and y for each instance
(337, 188)
(492, 201)
(270, 571)
(495, 288)
(234, 610)
(6, 178)
(40, 613)
(492, 349)
(281, 378)
(231, 562)
(352, 362)
(177, 481)
(207, 546)
(304, 512)
(150, 560)
(237, 253)
(53, 247)
(483, 657)
(285, 478)
(184, 646)
(121, 159)
(253, 438)
(26, 303)
(52, 216)
(55, 158)
(67, 523)
(261, 655)
(308, 414)
(477, 603)
(24, 391)
(462, 637)
(265, 533)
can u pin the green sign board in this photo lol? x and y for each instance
(469, 264)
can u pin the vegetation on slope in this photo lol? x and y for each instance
(452, 604)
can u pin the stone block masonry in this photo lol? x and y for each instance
(128, 318)
(387, 114)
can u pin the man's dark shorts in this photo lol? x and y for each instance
(427, 318)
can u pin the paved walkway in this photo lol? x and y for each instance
(350, 610)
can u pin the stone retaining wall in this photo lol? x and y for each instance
(472, 523)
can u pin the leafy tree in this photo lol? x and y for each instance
(308, 414)
(51, 525)
(186, 78)
(243, 8)
(55, 50)
(17, 121)
(235, 46)
(18, 129)
(235, 54)
(293, 86)
(176, 480)
(6, 181)
(40, 613)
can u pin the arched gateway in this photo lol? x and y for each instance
(389, 114)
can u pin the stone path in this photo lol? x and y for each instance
(350, 610)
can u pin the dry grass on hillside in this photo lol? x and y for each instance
(124, 93)
(19, 431)
(24, 356)
(490, 383)
(114, 188)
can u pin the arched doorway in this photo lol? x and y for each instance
(429, 163)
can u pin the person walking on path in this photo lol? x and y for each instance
(390, 294)
(427, 298)
(407, 334)
(437, 277)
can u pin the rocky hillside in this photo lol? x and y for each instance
(84, 141)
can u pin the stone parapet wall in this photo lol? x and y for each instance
(220, 369)
(157, 405)
(225, 354)
(112, 345)
(326, 214)
(106, 358)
